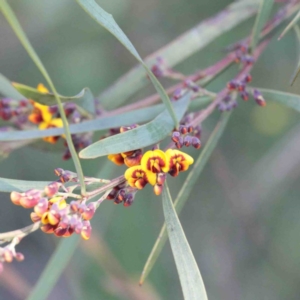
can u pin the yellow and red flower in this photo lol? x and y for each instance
(42, 115)
(177, 161)
(154, 161)
(138, 177)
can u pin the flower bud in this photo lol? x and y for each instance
(15, 198)
(89, 211)
(52, 188)
(19, 256)
(86, 230)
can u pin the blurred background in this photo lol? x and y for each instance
(242, 220)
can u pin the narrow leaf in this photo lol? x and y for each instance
(190, 278)
(7, 90)
(297, 71)
(9, 185)
(289, 26)
(186, 190)
(107, 21)
(140, 137)
(56, 265)
(187, 44)
(139, 116)
(287, 99)
(261, 18)
(85, 98)
(15, 25)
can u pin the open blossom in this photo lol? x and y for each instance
(177, 161)
(138, 177)
(154, 161)
(43, 116)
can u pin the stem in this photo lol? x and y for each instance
(210, 108)
(8, 236)
(113, 183)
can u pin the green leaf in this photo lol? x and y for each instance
(297, 71)
(10, 185)
(189, 274)
(287, 99)
(187, 44)
(186, 190)
(7, 90)
(85, 98)
(56, 265)
(107, 21)
(140, 137)
(261, 18)
(15, 25)
(139, 116)
(290, 25)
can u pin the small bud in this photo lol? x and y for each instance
(41, 207)
(247, 78)
(157, 189)
(175, 136)
(53, 109)
(52, 188)
(129, 200)
(34, 217)
(244, 95)
(196, 142)
(15, 198)
(232, 85)
(258, 97)
(69, 108)
(48, 228)
(190, 129)
(183, 129)
(89, 211)
(86, 230)
(8, 256)
(187, 141)
(19, 256)
(161, 178)
(60, 231)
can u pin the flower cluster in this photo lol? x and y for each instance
(26, 113)
(154, 166)
(239, 86)
(8, 253)
(44, 116)
(242, 55)
(122, 194)
(13, 110)
(54, 213)
(186, 136)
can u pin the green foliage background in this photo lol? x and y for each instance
(242, 222)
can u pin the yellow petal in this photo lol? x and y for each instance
(151, 177)
(154, 160)
(41, 88)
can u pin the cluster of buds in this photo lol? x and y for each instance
(54, 213)
(12, 110)
(240, 86)
(8, 253)
(122, 194)
(242, 55)
(154, 166)
(228, 103)
(130, 158)
(160, 69)
(187, 135)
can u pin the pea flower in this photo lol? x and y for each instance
(177, 161)
(138, 177)
(154, 161)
